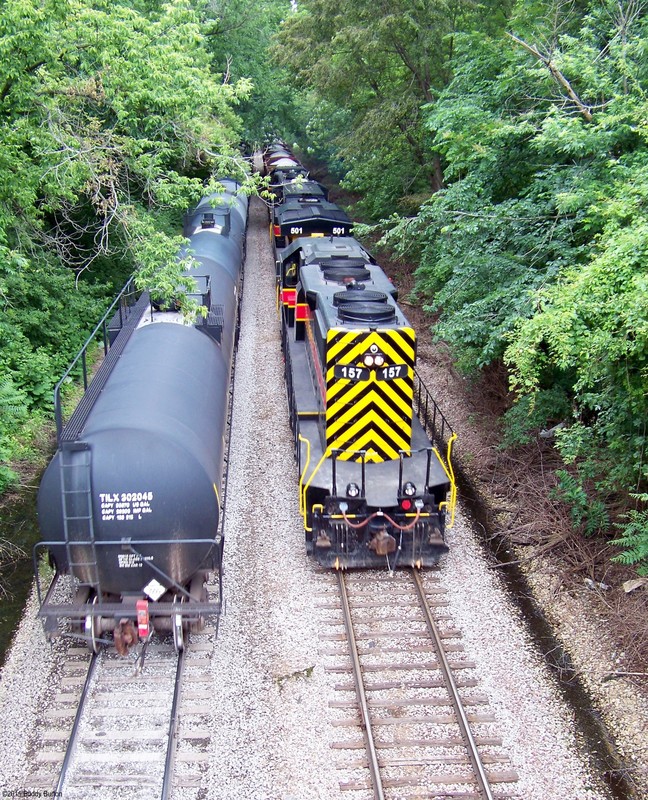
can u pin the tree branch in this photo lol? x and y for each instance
(10, 82)
(583, 108)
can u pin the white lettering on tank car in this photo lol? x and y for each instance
(125, 506)
(131, 560)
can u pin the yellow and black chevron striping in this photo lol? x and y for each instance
(370, 410)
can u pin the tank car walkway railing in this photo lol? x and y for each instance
(115, 329)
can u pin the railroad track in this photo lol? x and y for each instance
(122, 728)
(415, 724)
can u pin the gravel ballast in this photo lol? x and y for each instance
(271, 731)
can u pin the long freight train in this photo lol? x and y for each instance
(373, 449)
(131, 503)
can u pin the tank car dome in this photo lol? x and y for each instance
(229, 208)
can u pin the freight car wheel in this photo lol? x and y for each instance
(93, 629)
(178, 633)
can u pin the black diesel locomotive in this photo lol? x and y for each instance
(302, 207)
(131, 503)
(373, 450)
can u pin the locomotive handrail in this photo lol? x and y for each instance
(325, 455)
(441, 432)
(363, 468)
(332, 454)
(128, 289)
(302, 497)
(429, 412)
(449, 470)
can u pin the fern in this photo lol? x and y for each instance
(588, 514)
(11, 401)
(634, 538)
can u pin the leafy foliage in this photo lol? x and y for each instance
(104, 139)
(590, 516)
(13, 411)
(381, 63)
(635, 537)
(535, 252)
(239, 43)
(532, 413)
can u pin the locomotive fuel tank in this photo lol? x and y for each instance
(134, 503)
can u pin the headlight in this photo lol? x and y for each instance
(352, 490)
(379, 360)
(409, 489)
(368, 361)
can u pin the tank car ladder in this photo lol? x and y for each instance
(78, 526)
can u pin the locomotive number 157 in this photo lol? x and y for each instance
(361, 374)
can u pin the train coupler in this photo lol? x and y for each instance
(382, 543)
(323, 540)
(125, 636)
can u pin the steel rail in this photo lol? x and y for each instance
(172, 738)
(69, 751)
(471, 745)
(374, 767)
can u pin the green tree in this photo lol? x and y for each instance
(535, 251)
(112, 116)
(591, 321)
(380, 62)
(240, 36)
